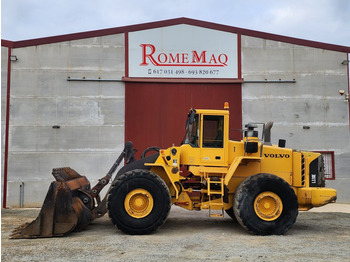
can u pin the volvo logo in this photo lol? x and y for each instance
(277, 155)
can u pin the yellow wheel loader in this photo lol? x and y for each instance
(260, 185)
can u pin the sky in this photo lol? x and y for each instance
(325, 21)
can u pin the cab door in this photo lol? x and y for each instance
(213, 142)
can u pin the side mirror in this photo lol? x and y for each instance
(191, 116)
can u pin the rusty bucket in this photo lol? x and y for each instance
(67, 207)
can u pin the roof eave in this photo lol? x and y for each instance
(171, 22)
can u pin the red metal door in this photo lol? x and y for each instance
(155, 113)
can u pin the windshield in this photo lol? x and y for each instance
(192, 129)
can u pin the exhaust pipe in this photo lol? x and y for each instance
(267, 133)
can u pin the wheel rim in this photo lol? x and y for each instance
(268, 206)
(138, 203)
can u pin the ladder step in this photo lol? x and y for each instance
(218, 210)
(217, 181)
(213, 204)
(215, 192)
(219, 213)
(216, 214)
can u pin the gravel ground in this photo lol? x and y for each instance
(186, 236)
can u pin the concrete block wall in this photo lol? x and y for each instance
(312, 101)
(90, 114)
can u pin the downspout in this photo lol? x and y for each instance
(7, 126)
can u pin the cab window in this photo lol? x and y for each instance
(213, 131)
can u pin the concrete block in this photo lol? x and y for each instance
(78, 138)
(342, 164)
(303, 111)
(27, 58)
(86, 55)
(24, 83)
(342, 186)
(34, 193)
(62, 111)
(113, 40)
(53, 56)
(92, 41)
(113, 89)
(113, 111)
(27, 166)
(24, 111)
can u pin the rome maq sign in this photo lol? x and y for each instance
(182, 51)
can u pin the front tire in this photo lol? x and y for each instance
(139, 202)
(231, 214)
(265, 204)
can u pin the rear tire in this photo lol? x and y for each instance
(265, 204)
(139, 202)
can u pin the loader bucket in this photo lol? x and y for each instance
(63, 209)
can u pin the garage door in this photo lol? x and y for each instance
(155, 113)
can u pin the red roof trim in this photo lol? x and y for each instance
(7, 43)
(170, 22)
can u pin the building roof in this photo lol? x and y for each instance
(170, 22)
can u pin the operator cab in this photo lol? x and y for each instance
(213, 130)
(207, 130)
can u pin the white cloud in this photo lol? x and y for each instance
(319, 20)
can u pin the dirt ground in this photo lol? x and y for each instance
(186, 236)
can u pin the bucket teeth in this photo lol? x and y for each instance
(18, 232)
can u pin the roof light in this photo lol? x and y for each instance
(226, 106)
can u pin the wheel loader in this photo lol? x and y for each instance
(262, 186)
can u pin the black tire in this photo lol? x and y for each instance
(132, 181)
(231, 213)
(251, 190)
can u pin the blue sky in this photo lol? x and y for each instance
(318, 20)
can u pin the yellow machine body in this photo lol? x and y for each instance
(228, 163)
